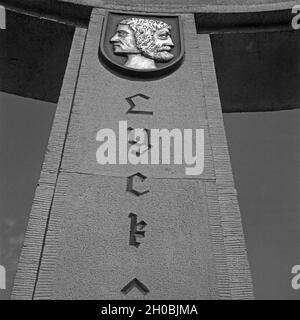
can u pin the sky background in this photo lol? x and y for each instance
(265, 155)
(24, 130)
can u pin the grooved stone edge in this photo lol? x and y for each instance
(28, 266)
(240, 281)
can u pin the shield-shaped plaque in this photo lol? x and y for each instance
(142, 44)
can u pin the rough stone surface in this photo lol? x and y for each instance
(189, 5)
(95, 260)
(51, 9)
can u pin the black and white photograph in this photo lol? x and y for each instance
(150, 153)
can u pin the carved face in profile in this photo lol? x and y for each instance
(150, 39)
(123, 41)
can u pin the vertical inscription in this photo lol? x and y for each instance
(137, 228)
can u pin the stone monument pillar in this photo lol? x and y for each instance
(125, 231)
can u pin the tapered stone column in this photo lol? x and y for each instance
(80, 242)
